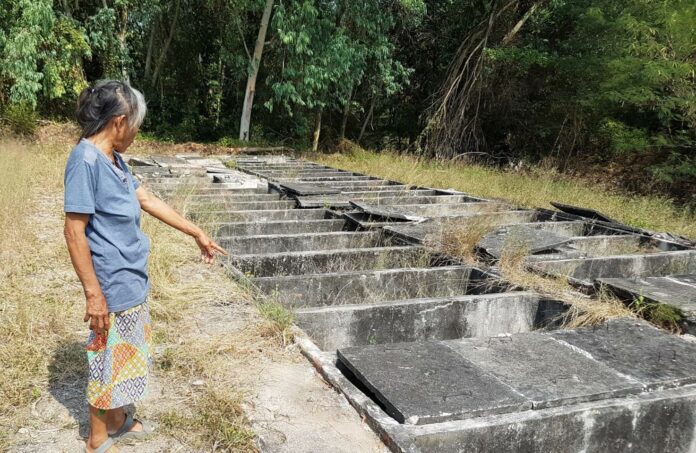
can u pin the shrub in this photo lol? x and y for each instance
(21, 118)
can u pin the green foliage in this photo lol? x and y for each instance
(662, 315)
(21, 118)
(40, 53)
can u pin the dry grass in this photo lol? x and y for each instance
(535, 188)
(461, 237)
(461, 240)
(35, 304)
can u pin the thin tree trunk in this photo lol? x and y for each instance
(218, 103)
(150, 45)
(167, 43)
(121, 35)
(317, 131)
(66, 8)
(346, 112)
(367, 119)
(518, 26)
(255, 62)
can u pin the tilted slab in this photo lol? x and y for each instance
(586, 270)
(263, 215)
(302, 242)
(305, 189)
(545, 371)
(676, 290)
(637, 350)
(323, 261)
(435, 318)
(276, 227)
(342, 288)
(419, 383)
(520, 238)
(608, 245)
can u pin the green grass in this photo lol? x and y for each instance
(535, 188)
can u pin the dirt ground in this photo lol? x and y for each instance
(213, 356)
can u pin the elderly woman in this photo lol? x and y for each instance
(109, 254)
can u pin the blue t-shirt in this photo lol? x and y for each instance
(95, 186)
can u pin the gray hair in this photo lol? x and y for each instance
(104, 100)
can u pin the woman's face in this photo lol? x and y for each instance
(124, 134)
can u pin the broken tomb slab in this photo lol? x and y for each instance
(676, 290)
(422, 383)
(520, 237)
(637, 350)
(544, 370)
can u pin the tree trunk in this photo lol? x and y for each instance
(121, 35)
(317, 131)
(346, 112)
(218, 103)
(367, 119)
(148, 57)
(253, 72)
(518, 26)
(167, 43)
(66, 8)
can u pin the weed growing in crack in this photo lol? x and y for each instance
(665, 316)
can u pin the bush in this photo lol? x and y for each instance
(21, 119)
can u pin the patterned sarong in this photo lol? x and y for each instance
(119, 360)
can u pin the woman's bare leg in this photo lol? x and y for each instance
(98, 433)
(115, 418)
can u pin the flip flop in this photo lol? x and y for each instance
(125, 433)
(104, 447)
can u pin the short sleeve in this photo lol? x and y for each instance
(80, 185)
(136, 183)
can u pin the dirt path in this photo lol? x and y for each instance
(218, 376)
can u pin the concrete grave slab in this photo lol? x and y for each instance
(303, 242)
(587, 270)
(545, 371)
(676, 290)
(516, 237)
(263, 215)
(324, 261)
(433, 318)
(421, 383)
(276, 227)
(341, 288)
(637, 350)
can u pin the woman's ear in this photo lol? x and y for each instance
(120, 122)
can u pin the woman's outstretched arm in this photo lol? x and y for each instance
(162, 211)
(96, 312)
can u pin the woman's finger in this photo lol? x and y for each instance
(107, 322)
(100, 323)
(220, 249)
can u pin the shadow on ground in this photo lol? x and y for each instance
(67, 381)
